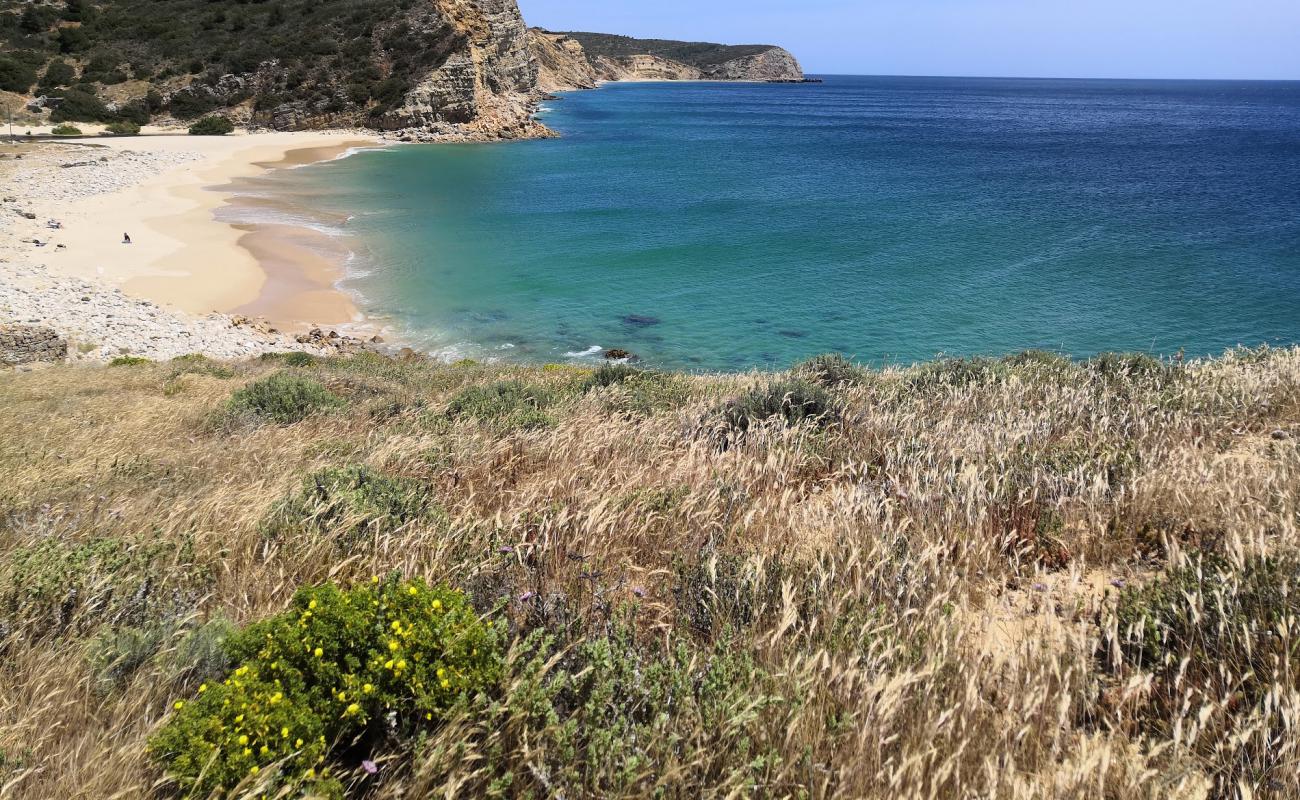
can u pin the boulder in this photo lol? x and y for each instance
(30, 344)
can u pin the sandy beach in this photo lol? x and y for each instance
(163, 190)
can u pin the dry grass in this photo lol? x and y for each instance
(914, 599)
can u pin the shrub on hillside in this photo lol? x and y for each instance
(50, 588)
(214, 125)
(127, 361)
(831, 370)
(284, 397)
(1130, 366)
(291, 359)
(955, 373)
(350, 503)
(16, 76)
(199, 364)
(58, 73)
(608, 375)
(80, 105)
(66, 130)
(507, 404)
(792, 400)
(339, 672)
(1220, 642)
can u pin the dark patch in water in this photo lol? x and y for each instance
(640, 320)
(793, 334)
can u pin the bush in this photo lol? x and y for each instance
(212, 126)
(80, 105)
(199, 364)
(1219, 642)
(58, 585)
(339, 671)
(610, 374)
(284, 398)
(16, 76)
(66, 130)
(58, 73)
(956, 373)
(291, 359)
(507, 404)
(1128, 366)
(831, 370)
(793, 401)
(351, 503)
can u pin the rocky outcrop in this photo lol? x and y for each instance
(566, 63)
(562, 65)
(777, 64)
(30, 344)
(485, 86)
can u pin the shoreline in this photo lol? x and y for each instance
(184, 264)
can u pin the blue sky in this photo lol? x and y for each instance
(1043, 38)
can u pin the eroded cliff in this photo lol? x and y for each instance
(569, 61)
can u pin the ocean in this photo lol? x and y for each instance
(721, 227)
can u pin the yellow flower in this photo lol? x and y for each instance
(264, 750)
(203, 687)
(256, 769)
(392, 645)
(343, 696)
(401, 663)
(437, 605)
(311, 773)
(441, 672)
(312, 604)
(297, 742)
(243, 740)
(368, 688)
(319, 652)
(397, 625)
(353, 709)
(374, 579)
(414, 591)
(388, 664)
(248, 751)
(239, 718)
(284, 733)
(178, 705)
(446, 684)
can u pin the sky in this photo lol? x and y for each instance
(1028, 38)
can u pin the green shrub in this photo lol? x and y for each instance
(506, 404)
(284, 398)
(124, 128)
(59, 586)
(1128, 366)
(214, 125)
(351, 503)
(58, 73)
(955, 373)
(199, 364)
(1039, 358)
(1219, 641)
(337, 673)
(81, 105)
(831, 370)
(792, 400)
(15, 76)
(292, 359)
(129, 361)
(607, 375)
(65, 130)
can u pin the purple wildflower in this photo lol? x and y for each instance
(370, 766)
(526, 596)
(1040, 587)
(505, 549)
(638, 591)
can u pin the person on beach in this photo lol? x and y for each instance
(126, 238)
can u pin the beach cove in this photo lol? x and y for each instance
(185, 275)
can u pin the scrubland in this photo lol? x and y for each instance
(1027, 577)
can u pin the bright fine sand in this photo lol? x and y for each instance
(181, 256)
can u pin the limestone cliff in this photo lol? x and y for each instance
(485, 86)
(581, 60)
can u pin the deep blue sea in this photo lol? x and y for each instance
(729, 226)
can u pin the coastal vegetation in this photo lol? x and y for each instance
(374, 577)
(214, 125)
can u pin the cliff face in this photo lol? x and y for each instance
(485, 87)
(581, 60)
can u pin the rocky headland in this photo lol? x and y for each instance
(569, 61)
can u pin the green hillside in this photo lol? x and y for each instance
(328, 56)
(701, 55)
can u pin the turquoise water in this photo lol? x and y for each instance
(729, 226)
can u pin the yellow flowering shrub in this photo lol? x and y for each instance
(380, 661)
